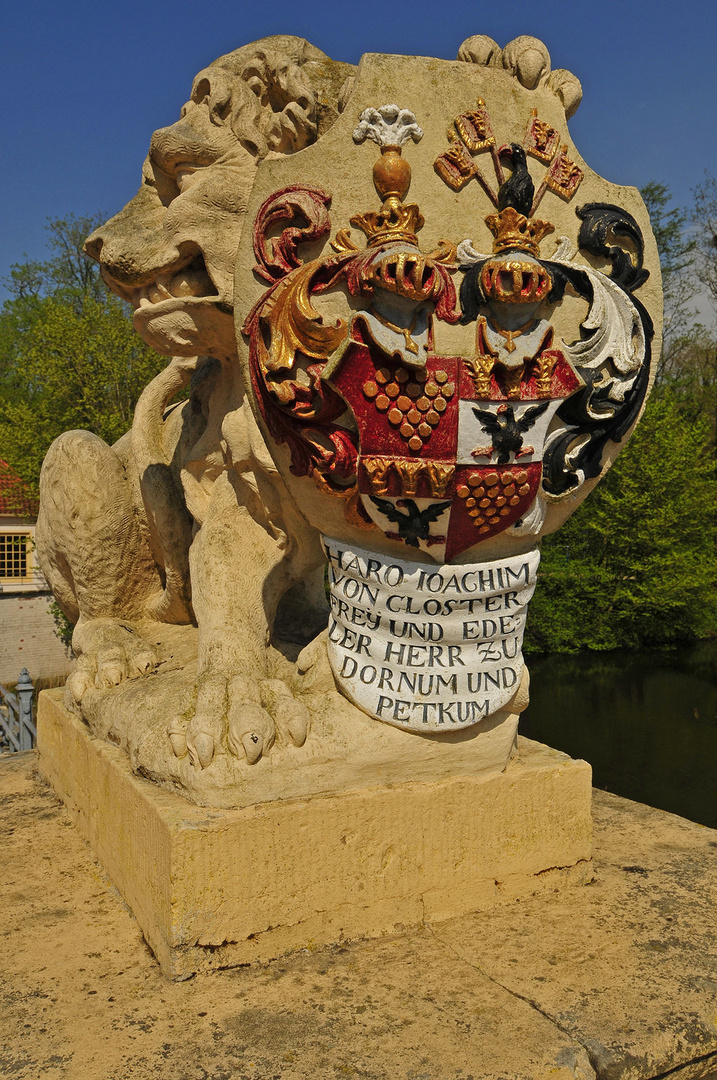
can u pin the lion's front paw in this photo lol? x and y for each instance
(246, 715)
(108, 651)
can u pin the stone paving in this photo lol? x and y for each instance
(616, 979)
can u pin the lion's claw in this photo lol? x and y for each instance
(206, 728)
(201, 751)
(111, 667)
(313, 666)
(253, 747)
(251, 730)
(249, 715)
(177, 732)
(299, 728)
(143, 661)
(77, 685)
(109, 651)
(290, 715)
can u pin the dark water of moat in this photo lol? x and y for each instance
(646, 722)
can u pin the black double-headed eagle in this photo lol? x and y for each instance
(415, 524)
(507, 432)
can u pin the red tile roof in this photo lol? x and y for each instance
(14, 498)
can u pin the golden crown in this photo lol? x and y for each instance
(394, 221)
(514, 230)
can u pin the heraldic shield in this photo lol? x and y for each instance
(441, 468)
(443, 380)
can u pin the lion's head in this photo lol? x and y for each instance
(170, 252)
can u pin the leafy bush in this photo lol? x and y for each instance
(635, 565)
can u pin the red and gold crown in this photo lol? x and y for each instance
(394, 221)
(513, 230)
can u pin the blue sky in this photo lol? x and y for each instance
(85, 83)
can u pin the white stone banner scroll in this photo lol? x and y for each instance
(427, 647)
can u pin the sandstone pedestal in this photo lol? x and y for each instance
(213, 888)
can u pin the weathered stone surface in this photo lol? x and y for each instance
(617, 979)
(634, 977)
(364, 854)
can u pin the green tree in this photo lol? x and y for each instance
(691, 368)
(693, 375)
(635, 565)
(676, 249)
(68, 269)
(69, 356)
(704, 218)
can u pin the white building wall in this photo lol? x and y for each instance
(27, 628)
(28, 639)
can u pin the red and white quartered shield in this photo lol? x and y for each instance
(442, 467)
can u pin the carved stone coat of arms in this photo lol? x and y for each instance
(448, 340)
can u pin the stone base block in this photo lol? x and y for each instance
(215, 888)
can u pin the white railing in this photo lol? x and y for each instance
(17, 728)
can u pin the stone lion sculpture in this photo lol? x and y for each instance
(116, 524)
(172, 549)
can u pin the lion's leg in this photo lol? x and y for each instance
(87, 530)
(95, 557)
(240, 569)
